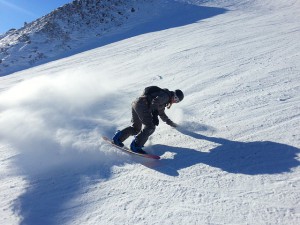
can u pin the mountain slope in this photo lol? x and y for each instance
(233, 160)
(65, 30)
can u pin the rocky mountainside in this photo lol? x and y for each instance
(64, 30)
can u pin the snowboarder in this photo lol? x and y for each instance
(145, 111)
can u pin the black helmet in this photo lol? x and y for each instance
(179, 94)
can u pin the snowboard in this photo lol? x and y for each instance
(125, 149)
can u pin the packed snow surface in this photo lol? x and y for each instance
(234, 159)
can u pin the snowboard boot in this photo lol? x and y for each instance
(135, 148)
(116, 139)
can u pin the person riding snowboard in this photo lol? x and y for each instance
(145, 111)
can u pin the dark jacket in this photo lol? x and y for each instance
(160, 102)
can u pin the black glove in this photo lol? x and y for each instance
(155, 119)
(171, 123)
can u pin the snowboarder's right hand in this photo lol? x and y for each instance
(171, 123)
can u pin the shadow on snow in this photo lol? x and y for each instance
(50, 197)
(250, 158)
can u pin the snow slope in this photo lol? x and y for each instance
(233, 160)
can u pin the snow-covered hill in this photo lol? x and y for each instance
(72, 28)
(234, 158)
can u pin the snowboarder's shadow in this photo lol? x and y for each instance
(251, 158)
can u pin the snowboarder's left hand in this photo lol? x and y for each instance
(155, 120)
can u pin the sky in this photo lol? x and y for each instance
(13, 13)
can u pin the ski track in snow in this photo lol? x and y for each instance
(233, 160)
